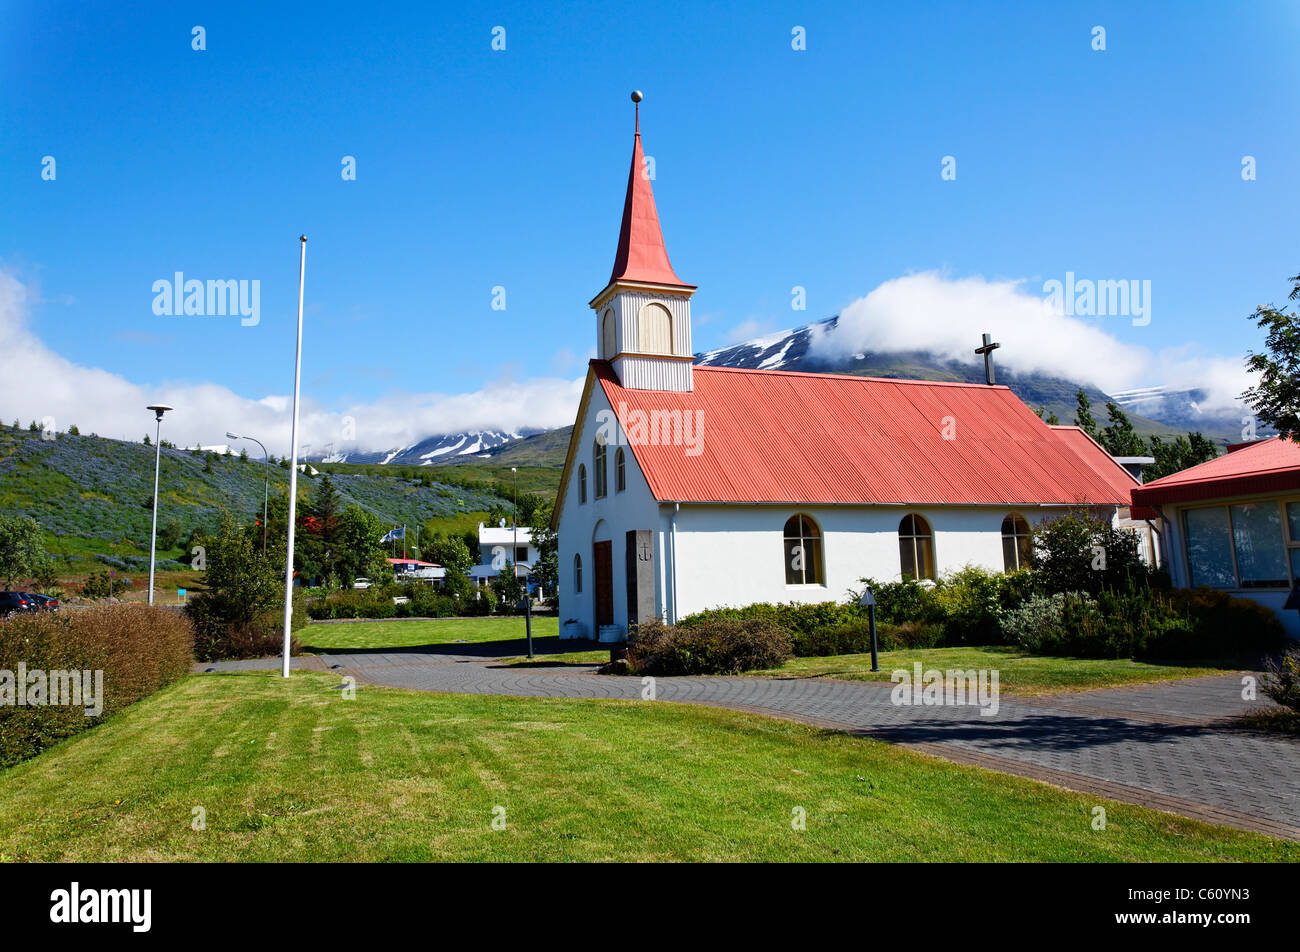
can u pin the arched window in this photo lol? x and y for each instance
(582, 483)
(803, 552)
(1015, 543)
(620, 471)
(655, 330)
(598, 465)
(916, 548)
(607, 335)
(577, 574)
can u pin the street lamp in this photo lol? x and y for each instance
(266, 483)
(158, 410)
(868, 601)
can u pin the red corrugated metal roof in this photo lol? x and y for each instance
(1268, 466)
(775, 436)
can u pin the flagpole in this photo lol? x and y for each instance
(293, 464)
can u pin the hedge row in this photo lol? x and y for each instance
(973, 607)
(139, 649)
(423, 601)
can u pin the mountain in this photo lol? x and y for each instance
(439, 449)
(1157, 411)
(92, 495)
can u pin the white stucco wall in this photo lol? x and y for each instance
(734, 555)
(610, 518)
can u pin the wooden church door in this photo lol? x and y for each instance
(604, 568)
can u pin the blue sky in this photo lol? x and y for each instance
(478, 168)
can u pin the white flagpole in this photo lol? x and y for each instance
(293, 464)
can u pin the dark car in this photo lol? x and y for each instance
(45, 603)
(12, 603)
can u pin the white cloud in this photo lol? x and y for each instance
(944, 316)
(35, 382)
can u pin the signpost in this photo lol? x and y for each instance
(528, 618)
(868, 601)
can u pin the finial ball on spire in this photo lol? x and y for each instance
(636, 95)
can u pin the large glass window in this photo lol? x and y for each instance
(1015, 543)
(1209, 547)
(598, 456)
(916, 548)
(1261, 550)
(803, 552)
(1244, 545)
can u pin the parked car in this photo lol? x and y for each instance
(45, 603)
(14, 603)
(361, 583)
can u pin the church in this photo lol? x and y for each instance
(686, 488)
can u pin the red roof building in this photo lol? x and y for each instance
(1233, 523)
(690, 487)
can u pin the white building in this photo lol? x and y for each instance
(499, 545)
(691, 487)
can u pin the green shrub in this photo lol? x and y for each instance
(139, 649)
(1282, 679)
(972, 602)
(717, 646)
(911, 635)
(1080, 552)
(852, 637)
(906, 601)
(241, 615)
(1143, 622)
(1038, 625)
(103, 584)
(484, 604)
(794, 617)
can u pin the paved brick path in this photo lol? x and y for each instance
(1162, 745)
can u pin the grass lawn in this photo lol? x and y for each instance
(1018, 672)
(378, 635)
(289, 770)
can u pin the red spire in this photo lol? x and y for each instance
(641, 253)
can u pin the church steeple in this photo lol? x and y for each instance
(641, 254)
(643, 316)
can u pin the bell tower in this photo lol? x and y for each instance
(643, 316)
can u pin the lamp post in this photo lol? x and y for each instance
(868, 601)
(293, 465)
(266, 483)
(158, 409)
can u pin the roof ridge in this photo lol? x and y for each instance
(698, 368)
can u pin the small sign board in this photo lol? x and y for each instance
(180, 593)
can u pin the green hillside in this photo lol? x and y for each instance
(92, 496)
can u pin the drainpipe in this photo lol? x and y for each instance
(672, 617)
(1159, 553)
